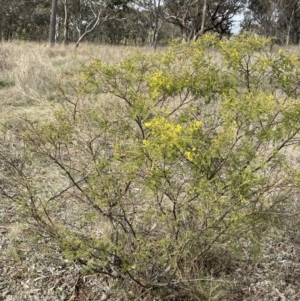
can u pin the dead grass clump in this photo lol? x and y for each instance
(5, 64)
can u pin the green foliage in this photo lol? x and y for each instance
(164, 162)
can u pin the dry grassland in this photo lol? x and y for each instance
(31, 73)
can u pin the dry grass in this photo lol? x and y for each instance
(30, 73)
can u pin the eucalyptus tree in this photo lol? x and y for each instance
(24, 20)
(53, 22)
(196, 17)
(154, 10)
(81, 18)
(274, 18)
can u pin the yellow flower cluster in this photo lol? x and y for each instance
(235, 53)
(157, 79)
(195, 126)
(160, 124)
(171, 135)
(160, 82)
(190, 154)
(146, 142)
(166, 132)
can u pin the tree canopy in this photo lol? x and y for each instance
(146, 22)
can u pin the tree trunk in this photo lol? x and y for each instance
(184, 34)
(89, 29)
(66, 23)
(296, 36)
(201, 31)
(158, 25)
(78, 19)
(53, 23)
(1, 12)
(288, 34)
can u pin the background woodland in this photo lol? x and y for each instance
(145, 22)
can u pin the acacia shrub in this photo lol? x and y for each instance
(165, 167)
